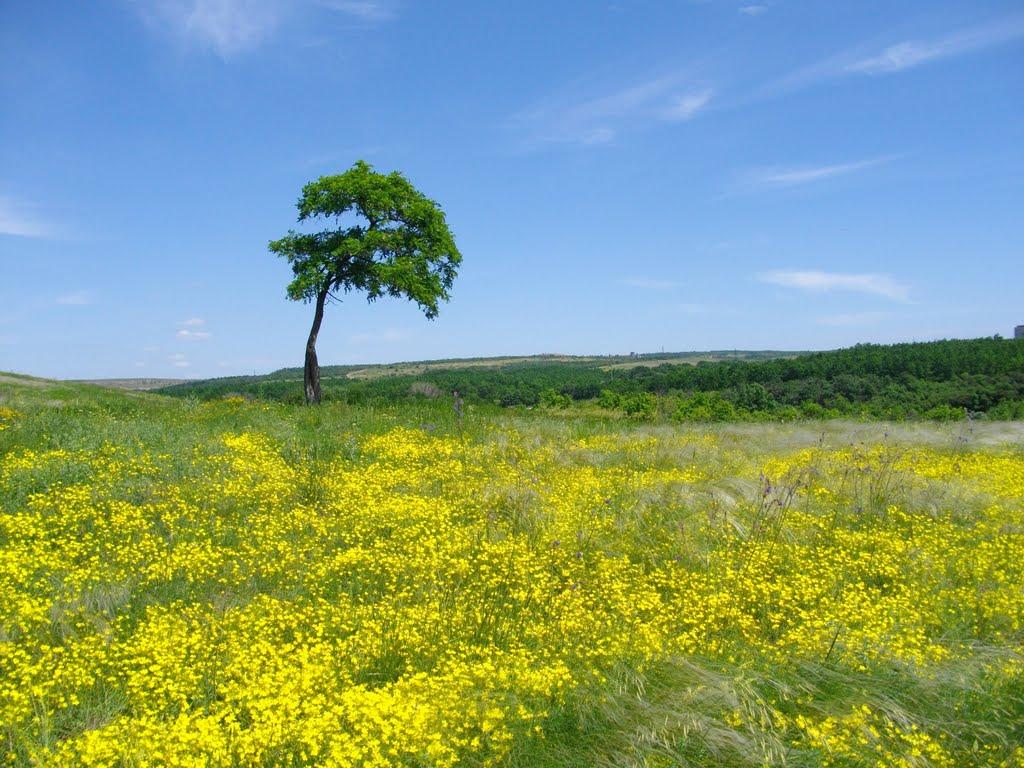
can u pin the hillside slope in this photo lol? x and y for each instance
(941, 379)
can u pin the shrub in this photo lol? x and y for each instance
(640, 405)
(705, 406)
(945, 413)
(549, 398)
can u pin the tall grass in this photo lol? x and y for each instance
(236, 583)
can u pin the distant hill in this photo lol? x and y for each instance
(416, 368)
(138, 385)
(949, 379)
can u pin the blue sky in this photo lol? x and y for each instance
(619, 176)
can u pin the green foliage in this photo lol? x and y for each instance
(753, 397)
(944, 413)
(812, 410)
(982, 377)
(549, 398)
(610, 400)
(1007, 410)
(640, 405)
(388, 239)
(705, 406)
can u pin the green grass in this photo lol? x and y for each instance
(731, 700)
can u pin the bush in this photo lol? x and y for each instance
(754, 397)
(787, 413)
(640, 405)
(1006, 411)
(705, 406)
(812, 410)
(610, 400)
(945, 413)
(549, 398)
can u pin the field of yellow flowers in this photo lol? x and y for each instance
(243, 584)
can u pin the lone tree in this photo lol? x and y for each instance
(387, 239)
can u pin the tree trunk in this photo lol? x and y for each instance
(311, 371)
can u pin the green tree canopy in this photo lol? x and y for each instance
(386, 239)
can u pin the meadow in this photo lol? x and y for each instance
(236, 583)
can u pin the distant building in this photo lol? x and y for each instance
(1018, 332)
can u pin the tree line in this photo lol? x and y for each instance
(945, 380)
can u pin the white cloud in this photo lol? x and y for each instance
(753, 9)
(911, 53)
(75, 299)
(188, 335)
(16, 220)
(651, 283)
(599, 119)
(190, 330)
(178, 360)
(226, 27)
(365, 10)
(685, 107)
(229, 27)
(822, 282)
(898, 57)
(788, 177)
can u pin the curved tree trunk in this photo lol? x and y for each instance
(311, 370)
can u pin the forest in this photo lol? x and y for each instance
(940, 380)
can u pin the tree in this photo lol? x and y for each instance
(388, 239)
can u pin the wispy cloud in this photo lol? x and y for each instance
(230, 27)
(754, 9)
(178, 360)
(190, 335)
(650, 283)
(75, 299)
(365, 10)
(226, 27)
(16, 219)
(899, 56)
(601, 118)
(817, 281)
(791, 176)
(911, 53)
(191, 330)
(686, 107)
